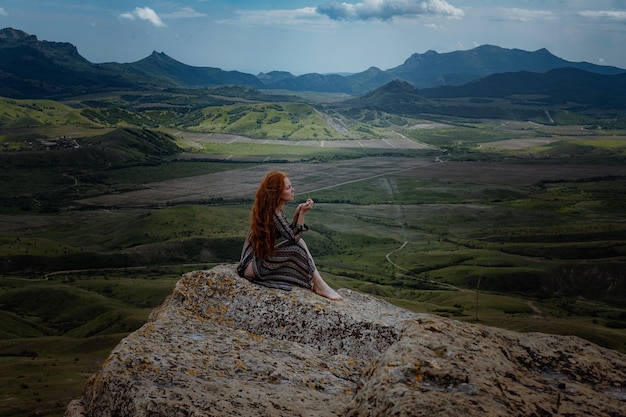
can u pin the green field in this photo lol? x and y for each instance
(508, 223)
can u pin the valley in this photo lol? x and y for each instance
(510, 223)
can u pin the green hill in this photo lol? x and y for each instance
(17, 114)
(289, 121)
(120, 147)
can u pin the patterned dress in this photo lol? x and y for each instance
(291, 262)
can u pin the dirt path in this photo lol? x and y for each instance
(369, 177)
(195, 140)
(335, 124)
(538, 313)
(388, 256)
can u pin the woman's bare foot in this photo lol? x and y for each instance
(320, 287)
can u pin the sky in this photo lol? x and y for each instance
(323, 36)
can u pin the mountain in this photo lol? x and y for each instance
(397, 97)
(432, 69)
(557, 86)
(369, 80)
(159, 66)
(30, 68)
(528, 95)
(274, 76)
(331, 83)
(35, 69)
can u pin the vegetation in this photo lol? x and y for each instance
(108, 198)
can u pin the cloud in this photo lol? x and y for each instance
(302, 17)
(525, 15)
(604, 14)
(185, 13)
(3, 12)
(388, 9)
(144, 13)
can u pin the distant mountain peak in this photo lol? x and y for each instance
(398, 86)
(373, 70)
(274, 76)
(160, 59)
(488, 46)
(13, 37)
(160, 56)
(10, 33)
(543, 51)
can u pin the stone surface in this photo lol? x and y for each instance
(221, 346)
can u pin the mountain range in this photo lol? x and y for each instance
(528, 92)
(432, 69)
(30, 68)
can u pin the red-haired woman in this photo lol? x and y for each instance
(278, 265)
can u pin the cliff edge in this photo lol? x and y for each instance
(221, 346)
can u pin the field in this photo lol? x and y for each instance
(513, 224)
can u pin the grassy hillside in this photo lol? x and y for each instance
(59, 332)
(509, 223)
(19, 114)
(45, 174)
(272, 121)
(233, 110)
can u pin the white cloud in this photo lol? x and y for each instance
(525, 15)
(604, 14)
(388, 9)
(185, 13)
(3, 12)
(295, 17)
(144, 13)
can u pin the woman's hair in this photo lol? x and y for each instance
(262, 229)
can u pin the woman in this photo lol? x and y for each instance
(278, 265)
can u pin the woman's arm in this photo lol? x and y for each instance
(292, 232)
(298, 216)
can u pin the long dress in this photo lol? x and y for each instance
(291, 262)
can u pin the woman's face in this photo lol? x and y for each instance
(288, 192)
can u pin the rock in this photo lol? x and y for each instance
(448, 368)
(221, 346)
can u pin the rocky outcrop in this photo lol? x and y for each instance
(221, 346)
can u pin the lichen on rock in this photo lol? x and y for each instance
(222, 346)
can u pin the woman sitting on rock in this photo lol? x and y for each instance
(278, 265)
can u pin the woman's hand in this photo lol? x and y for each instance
(306, 206)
